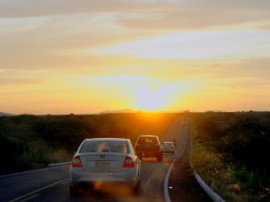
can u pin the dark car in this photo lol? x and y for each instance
(149, 146)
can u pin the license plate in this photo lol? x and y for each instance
(102, 164)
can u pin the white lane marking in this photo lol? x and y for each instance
(166, 187)
(37, 190)
(28, 198)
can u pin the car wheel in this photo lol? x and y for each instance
(137, 187)
(160, 158)
(73, 190)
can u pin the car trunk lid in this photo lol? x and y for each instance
(102, 162)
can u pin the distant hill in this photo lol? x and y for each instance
(117, 111)
(6, 114)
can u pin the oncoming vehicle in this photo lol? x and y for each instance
(105, 160)
(149, 146)
(168, 148)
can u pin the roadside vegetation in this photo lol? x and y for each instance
(31, 142)
(229, 150)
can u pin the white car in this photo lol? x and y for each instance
(168, 148)
(105, 160)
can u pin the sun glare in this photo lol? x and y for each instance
(151, 99)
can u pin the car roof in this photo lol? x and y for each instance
(107, 139)
(148, 135)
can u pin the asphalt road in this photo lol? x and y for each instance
(52, 184)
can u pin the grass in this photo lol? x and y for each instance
(233, 183)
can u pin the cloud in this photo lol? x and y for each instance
(32, 8)
(196, 45)
(18, 78)
(151, 14)
(209, 15)
(250, 68)
(54, 32)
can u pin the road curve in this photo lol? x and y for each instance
(52, 184)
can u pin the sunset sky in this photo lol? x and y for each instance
(89, 56)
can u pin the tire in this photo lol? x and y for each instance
(73, 190)
(137, 187)
(159, 158)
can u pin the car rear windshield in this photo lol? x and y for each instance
(148, 140)
(104, 146)
(167, 145)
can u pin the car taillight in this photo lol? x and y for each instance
(76, 162)
(128, 162)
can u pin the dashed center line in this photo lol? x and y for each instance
(28, 198)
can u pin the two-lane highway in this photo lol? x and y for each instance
(52, 184)
(15, 185)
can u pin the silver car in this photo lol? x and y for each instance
(105, 160)
(168, 148)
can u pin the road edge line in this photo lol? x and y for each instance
(165, 188)
(213, 195)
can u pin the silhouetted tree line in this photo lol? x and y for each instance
(31, 141)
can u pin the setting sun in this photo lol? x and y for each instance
(150, 99)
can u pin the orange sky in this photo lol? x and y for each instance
(90, 56)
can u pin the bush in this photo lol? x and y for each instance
(30, 142)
